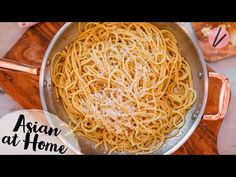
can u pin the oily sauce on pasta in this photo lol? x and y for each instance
(124, 86)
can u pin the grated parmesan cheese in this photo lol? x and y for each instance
(205, 31)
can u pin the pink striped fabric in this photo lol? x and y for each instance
(26, 24)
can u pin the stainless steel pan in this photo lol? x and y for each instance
(189, 49)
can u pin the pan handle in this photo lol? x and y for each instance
(224, 93)
(14, 66)
(224, 97)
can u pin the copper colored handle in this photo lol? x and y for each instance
(14, 66)
(224, 97)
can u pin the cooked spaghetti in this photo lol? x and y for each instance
(124, 86)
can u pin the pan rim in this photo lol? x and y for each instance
(203, 66)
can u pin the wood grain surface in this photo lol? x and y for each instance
(24, 88)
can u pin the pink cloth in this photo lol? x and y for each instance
(26, 24)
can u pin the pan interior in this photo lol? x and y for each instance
(189, 50)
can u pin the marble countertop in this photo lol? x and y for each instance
(10, 33)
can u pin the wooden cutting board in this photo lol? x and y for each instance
(24, 88)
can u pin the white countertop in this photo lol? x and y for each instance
(10, 33)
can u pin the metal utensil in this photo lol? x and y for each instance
(15, 66)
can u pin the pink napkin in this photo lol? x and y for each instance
(26, 24)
